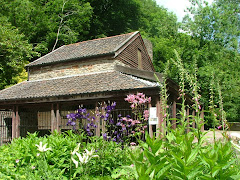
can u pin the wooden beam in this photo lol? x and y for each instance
(13, 122)
(17, 123)
(53, 119)
(97, 120)
(58, 119)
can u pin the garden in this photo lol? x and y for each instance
(125, 149)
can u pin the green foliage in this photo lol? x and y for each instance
(15, 52)
(22, 160)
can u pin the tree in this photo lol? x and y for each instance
(216, 29)
(15, 52)
(111, 17)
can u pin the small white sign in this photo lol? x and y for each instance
(153, 119)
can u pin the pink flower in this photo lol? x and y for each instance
(146, 115)
(124, 119)
(132, 165)
(137, 122)
(132, 106)
(215, 115)
(144, 127)
(219, 127)
(165, 115)
(167, 106)
(17, 160)
(133, 144)
(149, 100)
(199, 107)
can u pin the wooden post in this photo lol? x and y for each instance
(17, 123)
(58, 119)
(97, 120)
(53, 119)
(193, 119)
(103, 121)
(188, 125)
(13, 123)
(174, 114)
(150, 125)
(202, 121)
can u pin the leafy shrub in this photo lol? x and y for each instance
(22, 160)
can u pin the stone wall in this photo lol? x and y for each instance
(72, 68)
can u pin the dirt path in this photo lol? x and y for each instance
(219, 135)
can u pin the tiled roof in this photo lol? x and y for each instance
(74, 85)
(96, 47)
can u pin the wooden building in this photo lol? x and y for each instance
(82, 73)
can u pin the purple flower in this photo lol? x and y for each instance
(114, 139)
(114, 104)
(118, 124)
(105, 136)
(111, 121)
(90, 133)
(73, 123)
(84, 110)
(119, 115)
(102, 116)
(128, 116)
(69, 122)
(71, 116)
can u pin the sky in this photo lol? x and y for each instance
(176, 6)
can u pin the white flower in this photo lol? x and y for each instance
(76, 149)
(84, 158)
(42, 148)
(89, 153)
